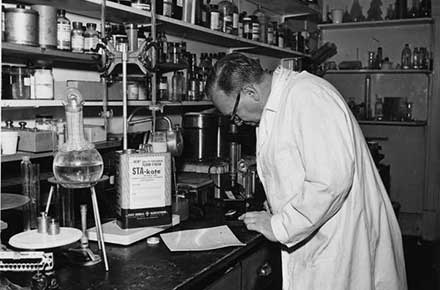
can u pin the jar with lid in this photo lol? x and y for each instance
(255, 28)
(163, 89)
(215, 17)
(247, 27)
(44, 83)
(20, 78)
(91, 38)
(77, 37)
(167, 9)
(63, 31)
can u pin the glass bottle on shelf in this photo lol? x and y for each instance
(406, 57)
(163, 89)
(163, 48)
(379, 56)
(77, 163)
(305, 35)
(177, 10)
(205, 13)
(280, 36)
(225, 8)
(77, 37)
(255, 28)
(416, 58)
(414, 11)
(30, 188)
(261, 18)
(214, 17)
(378, 109)
(235, 18)
(425, 8)
(63, 31)
(247, 27)
(91, 38)
(167, 9)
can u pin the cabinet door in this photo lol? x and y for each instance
(230, 280)
(262, 269)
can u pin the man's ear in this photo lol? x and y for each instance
(251, 91)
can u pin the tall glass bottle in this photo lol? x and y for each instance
(63, 31)
(163, 48)
(226, 9)
(31, 189)
(406, 57)
(77, 163)
(262, 20)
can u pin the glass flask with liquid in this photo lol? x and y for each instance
(77, 163)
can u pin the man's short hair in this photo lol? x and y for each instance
(233, 72)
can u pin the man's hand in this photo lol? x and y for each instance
(259, 221)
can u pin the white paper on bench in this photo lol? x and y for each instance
(201, 239)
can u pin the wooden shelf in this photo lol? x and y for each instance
(394, 123)
(58, 103)
(378, 24)
(203, 34)
(19, 155)
(22, 53)
(378, 71)
(114, 12)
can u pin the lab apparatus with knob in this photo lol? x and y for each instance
(77, 162)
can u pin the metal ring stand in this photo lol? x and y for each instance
(91, 186)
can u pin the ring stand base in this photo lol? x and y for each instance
(83, 256)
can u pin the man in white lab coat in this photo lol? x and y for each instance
(328, 205)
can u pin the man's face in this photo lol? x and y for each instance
(247, 109)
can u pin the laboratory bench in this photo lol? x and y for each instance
(257, 265)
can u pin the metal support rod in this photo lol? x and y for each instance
(124, 98)
(103, 81)
(154, 62)
(98, 225)
(49, 200)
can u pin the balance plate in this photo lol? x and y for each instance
(12, 200)
(32, 240)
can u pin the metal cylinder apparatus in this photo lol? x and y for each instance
(21, 26)
(47, 25)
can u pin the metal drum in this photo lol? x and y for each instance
(21, 26)
(47, 25)
(200, 136)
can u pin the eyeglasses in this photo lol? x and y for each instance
(234, 117)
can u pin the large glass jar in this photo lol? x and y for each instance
(77, 163)
(20, 82)
(225, 7)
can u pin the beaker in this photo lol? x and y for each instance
(159, 142)
(77, 163)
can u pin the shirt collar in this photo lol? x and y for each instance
(279, 77)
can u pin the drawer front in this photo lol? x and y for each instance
(262, 269)
(230, 280)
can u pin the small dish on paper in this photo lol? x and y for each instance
(201, 239)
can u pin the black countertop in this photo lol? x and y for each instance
(144, 266)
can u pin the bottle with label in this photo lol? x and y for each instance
(235, 18)
(214, 18)
(378, 109)
(261, 19)
(44, 83)
(204, 13)
(163, 89)
(167, 9)
(270, 35)
(275, 33)
(280, 36)
(225, 8)
(379, 56)
(77, 37)
(247, 27)
(255, 29)
(305, 37)
(177, 11)
(241, 24)
(63, 31)
(406, 57)
(163, 48)
(91, 38)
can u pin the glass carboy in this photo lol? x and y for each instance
(77, 163)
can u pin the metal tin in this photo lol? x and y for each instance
(21, 26)
(53, 228)
(47, 25)
(42, 223)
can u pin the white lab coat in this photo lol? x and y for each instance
(330, 208)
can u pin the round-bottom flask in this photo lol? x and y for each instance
(77, 163)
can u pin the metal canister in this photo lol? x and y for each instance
(47, 25)
(21, 25)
